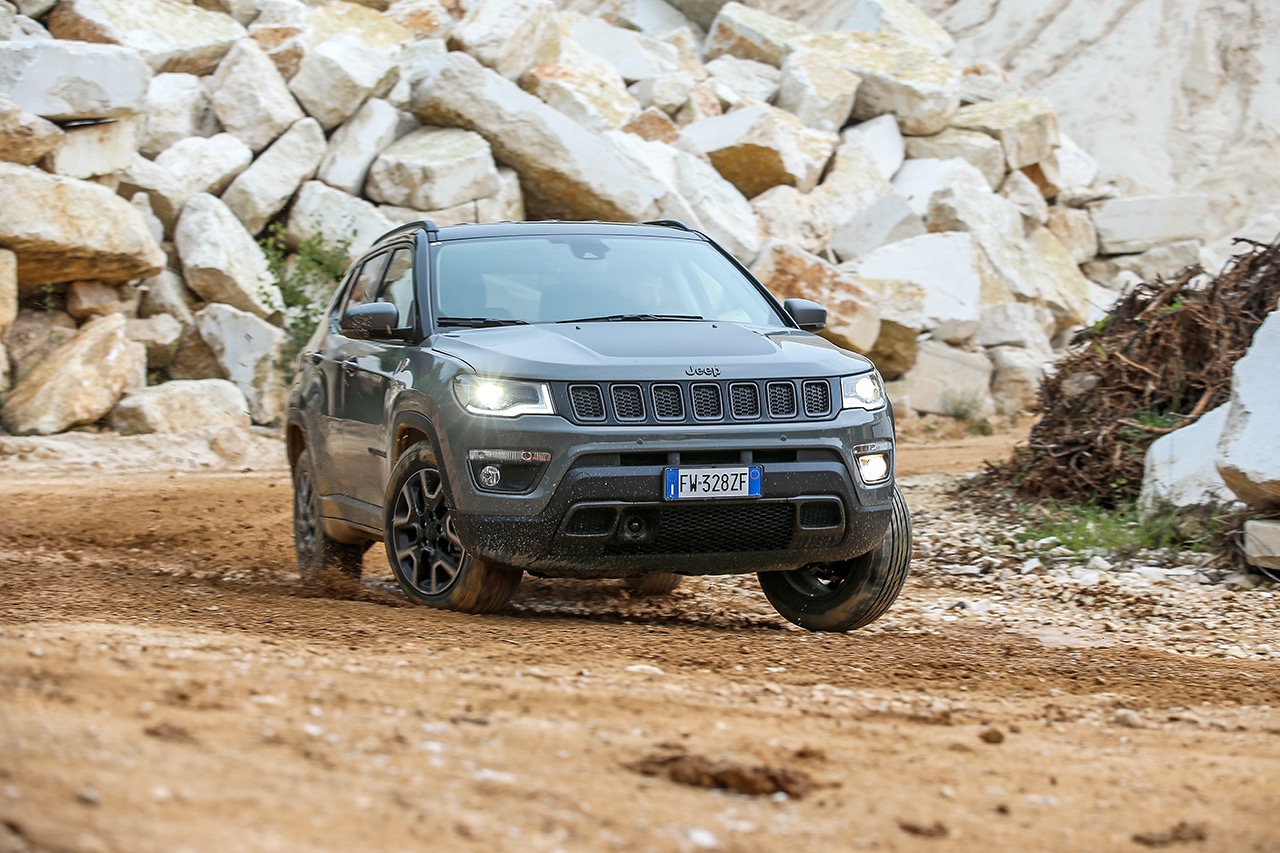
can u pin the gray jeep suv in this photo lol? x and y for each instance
(590, 400)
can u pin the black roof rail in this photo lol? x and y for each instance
(669, 223)
(424, 224)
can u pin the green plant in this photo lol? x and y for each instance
(306, 279)
(962, 405)
(981, 426)
(1089, 529)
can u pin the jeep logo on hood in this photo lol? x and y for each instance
(693, 370)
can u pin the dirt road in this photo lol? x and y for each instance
(165, 684)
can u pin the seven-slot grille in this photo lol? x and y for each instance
(737, 401)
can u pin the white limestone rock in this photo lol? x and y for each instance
(62, 229)
(852, 184)
(71, 80)
(182, 406)
(853, 316)
(567, 171)
(634, 56)
(758, 147)
(882, 139)
(1027, 128)
(584, 87)
(1262, 543)
(704, 103)
(354, 146)
(34, 335)
(1016, 324)
(1138, 223)
(1024, 195)
(1148, 266)
(335, 218)
(337, 75)
(8, 290)
(666, 92)
(900, 18)
(79, 382)
(205, 164)
(434, 167)
(949, 271)
(167, 295)
(510, 37)
(982, 151)
(1076, 167)
(886, 220)
(1247, 458)
(221, 261)
(1075, 229)
(159, 334)
(950, 381)
(789, 216)
(87, 299)
(165, 193)
(25, 138)
(652, 17)
(262, 190)
(1179, 471)
(89, 150)
(900, 78)
(427, 20)
(751, 34)
(749, 79)
(654, 125)
(251, 99)
(247, 349)
(1016, 379)
(169, 36)
(920, 180)
(507, 204)
(176, 106)
(817, 88)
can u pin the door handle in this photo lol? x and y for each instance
(315, 357)
(350, 365)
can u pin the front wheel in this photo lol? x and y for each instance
(422, 543)
(851, 593)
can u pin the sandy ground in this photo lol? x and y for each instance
(166, 684)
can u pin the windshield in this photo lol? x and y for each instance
(560, 278)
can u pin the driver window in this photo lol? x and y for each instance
(364, 288)
(397, 284)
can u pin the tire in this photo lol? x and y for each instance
(429, 562)
(316, 552)
(657, 583)
(849, 594)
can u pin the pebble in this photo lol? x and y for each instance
(702, 838)
(992, 736)
(645, 668)
(1127, 717)
(88, 796)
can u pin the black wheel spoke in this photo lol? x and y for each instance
(426, 548)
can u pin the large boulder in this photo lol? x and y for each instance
(1247, 458)
(1179, 470)
(510, 37)
(1138, 223)
(1016, 378)
(87, 299)
(853, 182)
(751, 34)
(221, 261)
(8, 290)
(853, 317)
(790, 216)
(24, 137)
(160, 335)
(633, 55)
(758, 147)
(980, 150)
(886, 220)
(900, 18)
(336, 76)
(167, 295)
(354, 146)
(748, 79)
(34, 335)
(182, 406)
(170, 36)
(584, 87)
(1262, 543)
(251, 99)
(950, 381)
(92, 149)
(817, 88)
(79, 382)
(164, 191)
(881, 138)
(337, 219)
(70, 80)
(1027, 128)
(248, 350)
(262, 190)
(432, 168)
(567, 172)
(63, 229)
(176, 107)
(204, 164)
(898, 77)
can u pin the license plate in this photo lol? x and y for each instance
(695, 483)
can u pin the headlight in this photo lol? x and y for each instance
(864, 391)
(505, 398)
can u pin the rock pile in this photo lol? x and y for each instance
(949, 226)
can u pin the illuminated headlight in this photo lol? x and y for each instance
(864, 391)
(506, 398)
(873, 467)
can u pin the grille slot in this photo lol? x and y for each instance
(717, 529)
(820, 514)
(817, 399)
(588, 402)
(782, 399)
(668, 403)
(707, 405)
(628, 402)
(744, 401)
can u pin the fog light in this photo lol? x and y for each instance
(490, 476)
(873, 467)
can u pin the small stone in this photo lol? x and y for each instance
(992, 736)
(1127, 718)
(88, 796)
(645, 668)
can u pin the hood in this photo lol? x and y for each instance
(647, 350)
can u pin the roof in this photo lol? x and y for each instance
(471, 231)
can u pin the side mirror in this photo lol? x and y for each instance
(808, 315)
(371, 320)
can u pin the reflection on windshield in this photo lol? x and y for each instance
(562, 278)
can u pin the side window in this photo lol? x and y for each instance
(397, 284)
(364, 287)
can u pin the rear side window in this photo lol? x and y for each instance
(385, 277)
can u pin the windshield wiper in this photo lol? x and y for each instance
(615, 318)
(479, 322)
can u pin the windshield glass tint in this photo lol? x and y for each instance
(548, 279)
